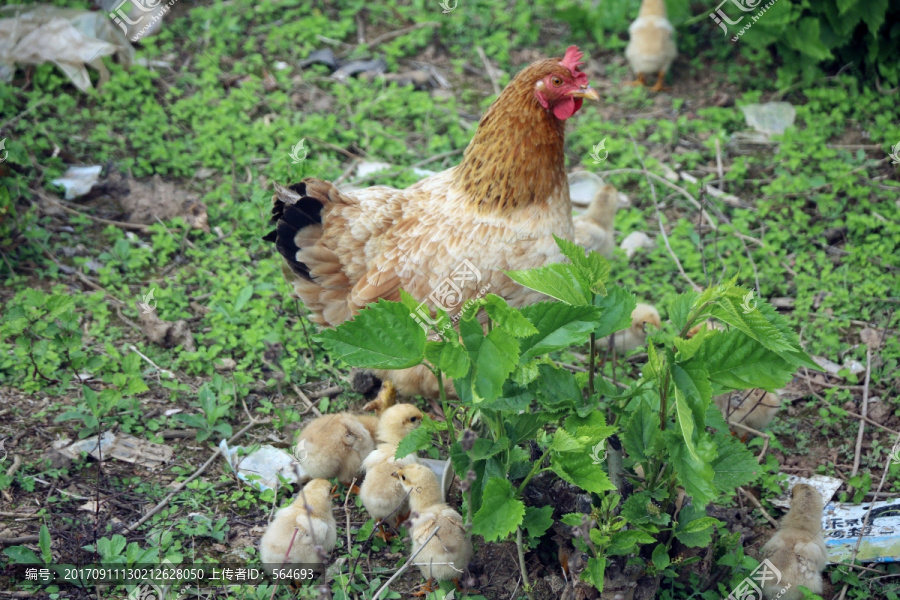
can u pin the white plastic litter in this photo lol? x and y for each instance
(262, 467)
(770, 118)
(78, 181)
(636, 241)
(69, 38)
(583, 187)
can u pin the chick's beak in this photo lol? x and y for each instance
(395, 475)
(585, 91)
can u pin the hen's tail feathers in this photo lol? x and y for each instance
(294, 210)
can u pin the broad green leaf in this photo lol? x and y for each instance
(737, 307)
(593, 573)
(524, 427)
(20, 555)
(381, 336)
(628, 541)
(736, 361)
(494, 356)
(694, 528)
(660, 557)
(641, 433)
(694, 474)
(556, 388)
(680, 310)
(592, 267)
(537, 520)
(417, 439)
(873, 13)
(558, 326)
(242, 298)
(615, 311)
(641, 509)
(734, 466)
(44, 544)
(557, 280)
(450, 357)
(510, 319)
(692, 396)
(501, 513)
(571, 459)
(845, 5)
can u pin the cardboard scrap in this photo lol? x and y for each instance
(842, 524)
(827, 486)
(121, 447)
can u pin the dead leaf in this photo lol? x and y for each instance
(165, 333)
(871, 338)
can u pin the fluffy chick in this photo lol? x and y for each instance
(636, 335)
(651, 45)
(448, 553)
(334, 446)
(310, 513)
(753, 408)
(594, 229)
(381, 494)
(797, 549)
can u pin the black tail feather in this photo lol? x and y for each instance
(293, 210)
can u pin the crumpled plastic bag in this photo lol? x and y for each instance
(78, 181)
(770, 118)
(69, 38)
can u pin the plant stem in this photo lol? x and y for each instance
(451, 430)
(591, 367)
(534, 470)
(525, 584)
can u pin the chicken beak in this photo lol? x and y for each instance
(395, 475)
(585, 91)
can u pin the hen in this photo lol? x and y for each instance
(452, 234)
(651, 45)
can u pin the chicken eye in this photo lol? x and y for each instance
(556, 81)
(403, 477)
(413, 419)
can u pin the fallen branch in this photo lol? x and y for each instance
(865, 410)
(756, 503)
(197, 473)
(405, 566)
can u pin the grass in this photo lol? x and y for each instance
(817, 221)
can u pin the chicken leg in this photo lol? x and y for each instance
(428, 586)
(639, 81)
(659, 87)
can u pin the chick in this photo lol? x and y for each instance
(651, 47)
(797, 549)
(310, 514)
(381, 494)
(334, 446)
(752, 408)
(635, 336)
(594, 229)
(447, 554)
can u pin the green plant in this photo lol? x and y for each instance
(502, 375)
(213, 410)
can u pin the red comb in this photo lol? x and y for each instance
(571, 61)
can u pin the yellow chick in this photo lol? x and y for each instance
(447, 554)
(636, 335)
(310, 514)
(381, 494)
(594, 229)
(754, 408)
(797, 549)
(651, 45)
(333, 446)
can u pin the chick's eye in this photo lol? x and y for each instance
(403, 477)
(556, 81)
(413, 419)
